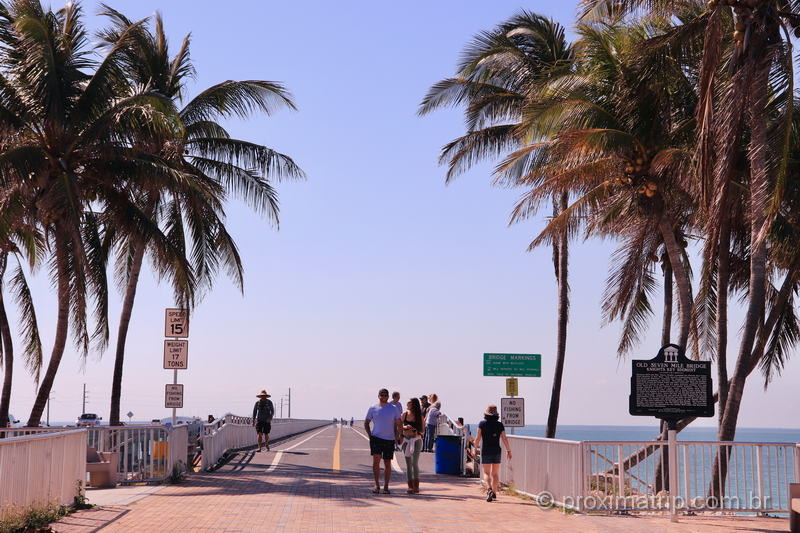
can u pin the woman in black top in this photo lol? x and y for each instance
(491, 430)
(413, 430)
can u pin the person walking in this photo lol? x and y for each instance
(413, 430)
(431, 420)
(382, 437)
(491, 431)
(263, 411)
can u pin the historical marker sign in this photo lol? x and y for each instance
(176, 323)
(512, 364)
(176, 355)
(671, 386)
(512, 412)
(512, 387)
(173, 396)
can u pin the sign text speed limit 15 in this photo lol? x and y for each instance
(176, 355)
(176, 323)
(173, 396)
(512, 412)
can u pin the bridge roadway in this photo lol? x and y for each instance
(322, 480)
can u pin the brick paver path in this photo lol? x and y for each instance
(304, 493)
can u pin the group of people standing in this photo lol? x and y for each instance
(392, 428)
(388, 426)
(411, 430)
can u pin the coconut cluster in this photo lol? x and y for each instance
(636, 173)
(743, 11)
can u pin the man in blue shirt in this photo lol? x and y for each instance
(382, 437)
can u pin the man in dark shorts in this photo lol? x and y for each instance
(382, 438)
(263, 411)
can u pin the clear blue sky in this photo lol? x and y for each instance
(380, 275)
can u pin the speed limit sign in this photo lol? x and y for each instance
(176, 323)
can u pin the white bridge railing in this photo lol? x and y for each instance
(146, 453)
(751, 477)
(41, 470)
(235, 432)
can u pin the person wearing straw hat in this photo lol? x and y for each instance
(263, 411)
(490, 431)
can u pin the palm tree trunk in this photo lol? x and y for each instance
(122, 334)
(7, 352)
(758, 251)
(62, 329)
(563, 318)
(666, 324)
(759, 186)
(681, 277)
(723, 273)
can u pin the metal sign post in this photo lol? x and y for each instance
(512, 390)
(176, 355)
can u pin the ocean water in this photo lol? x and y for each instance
(644, 433)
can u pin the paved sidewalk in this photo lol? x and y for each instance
(299, 494)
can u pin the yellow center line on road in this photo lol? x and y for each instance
(337, 451)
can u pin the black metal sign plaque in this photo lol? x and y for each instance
(671, 386)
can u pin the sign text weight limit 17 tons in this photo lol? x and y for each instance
(176, 355)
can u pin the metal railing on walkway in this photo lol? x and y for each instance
(233, 432)
(41, 469)
(146, 453)
(606, 476)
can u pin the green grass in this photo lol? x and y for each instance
(38, 520)
(34, 520)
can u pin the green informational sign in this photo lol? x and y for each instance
(512, 364)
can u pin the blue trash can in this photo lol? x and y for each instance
(448, 455)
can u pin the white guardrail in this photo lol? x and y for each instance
(235, 432)
(41, 470)
(146, 453)
(586, 476)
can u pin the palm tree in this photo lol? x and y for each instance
(499, 80)
(745, 87)
(615, 137)
(69, 122)
(33, 345)
(216, 164)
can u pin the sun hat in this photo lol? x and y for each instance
(263, 394)
(491, 410)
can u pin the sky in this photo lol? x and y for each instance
(379, 275)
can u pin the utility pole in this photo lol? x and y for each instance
(290, 402)
(83, 410)
(281, 406)
(48, 408)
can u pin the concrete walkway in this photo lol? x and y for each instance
(321, 482)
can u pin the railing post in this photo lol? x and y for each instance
(686, 475)
(672, 487)
(580, 485)
(621, 477)
(760, 478)
(797, 463)
(524, 484)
